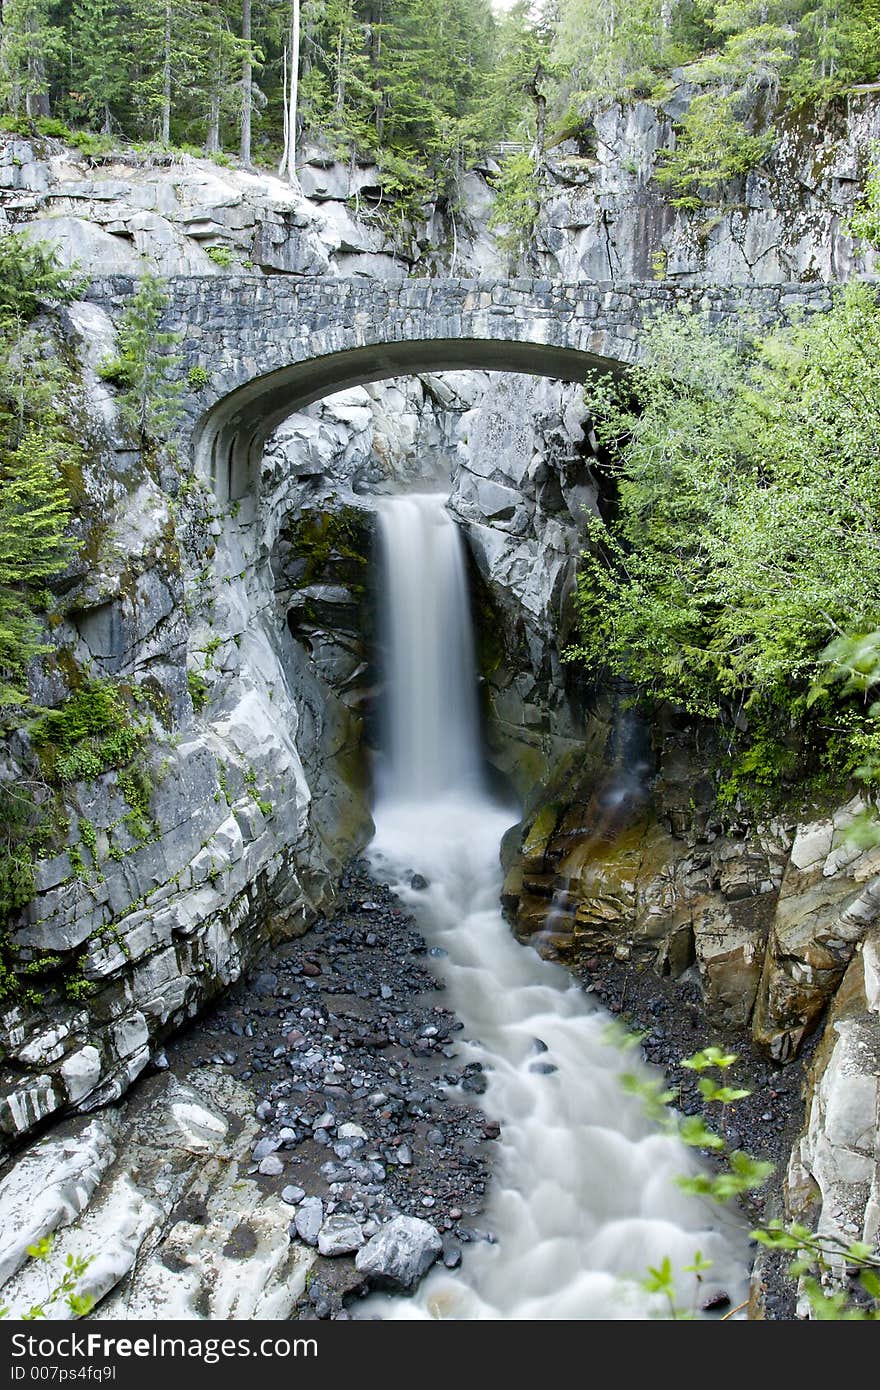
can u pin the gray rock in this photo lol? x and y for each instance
(264, 1147)
(272, 1166)
(292, 1195)
(79, 242)
(400, 1253)
(340, 1234)
(309, 1219)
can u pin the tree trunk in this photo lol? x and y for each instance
(283, 165)
(212, 140)
(166, 79)
(289, 163)
(247, 78)
(36, 99)
(341, 47)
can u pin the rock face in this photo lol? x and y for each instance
(251, 797)
(833, 1181)
(607, 219)
(160, 1186)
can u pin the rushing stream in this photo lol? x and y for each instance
(584, 1198)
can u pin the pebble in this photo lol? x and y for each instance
(348, 1085)
(349, 1130)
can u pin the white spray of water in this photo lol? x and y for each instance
(584, 1198)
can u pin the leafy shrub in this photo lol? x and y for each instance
(197, 378)
(744, 534)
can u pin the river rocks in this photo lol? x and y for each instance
(181, 1195)
(398, 1255)
(309, 1219)
(341, 1234)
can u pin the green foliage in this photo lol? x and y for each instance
(818, 1258)
(19, 819)
(198, 690)
(744, 536)
(34, 449)
(221, 255)
(197, 378)
(713, 147)
(517, 203)
(31, 279)
(865, 222)
(92, 732)
(64, 1291)
(150, 402)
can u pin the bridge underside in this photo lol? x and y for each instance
(230, 438)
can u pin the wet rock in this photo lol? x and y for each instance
(400, 1253)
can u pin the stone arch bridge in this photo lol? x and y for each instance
(271, 345)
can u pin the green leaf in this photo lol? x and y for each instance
(693, 1131)
(710, 1057)
(659, 1279)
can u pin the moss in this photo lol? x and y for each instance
(198, 690)
(320, 537)
(540, 832)
(92, 732)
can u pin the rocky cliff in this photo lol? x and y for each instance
(241, 638)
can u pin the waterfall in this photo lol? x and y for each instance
(429, 725)
(584, 1197)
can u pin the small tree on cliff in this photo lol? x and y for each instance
(150, 402)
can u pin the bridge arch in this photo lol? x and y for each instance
(230, 437)
(268, 345)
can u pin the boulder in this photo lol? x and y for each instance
(400, 1253)
(81, 244)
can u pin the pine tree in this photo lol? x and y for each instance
(98, 57)
(30, 43)
(34, 504)
(34, 516)
(150, 403)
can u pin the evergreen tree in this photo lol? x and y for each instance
(34, 503)
(98, 59)
(30, 43)
(150, 402)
